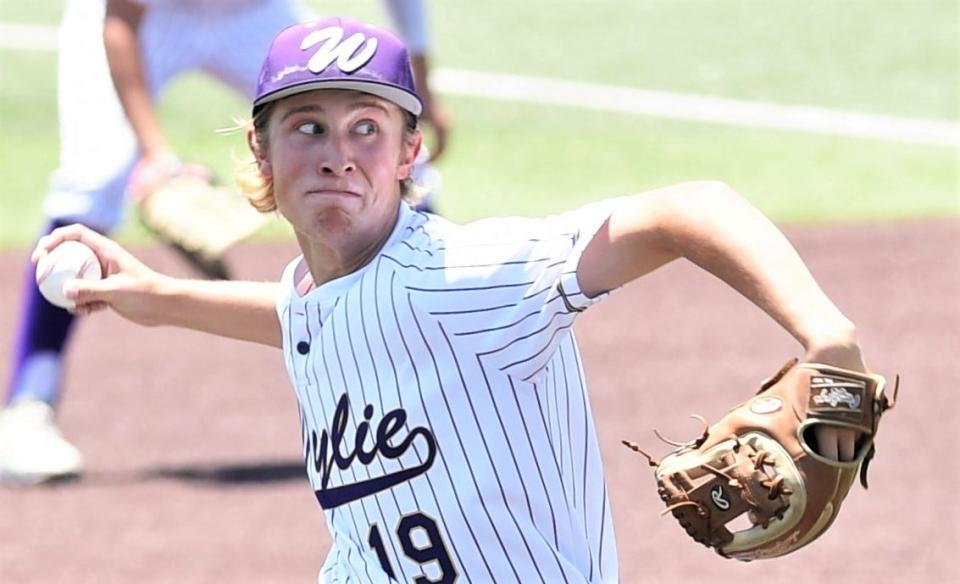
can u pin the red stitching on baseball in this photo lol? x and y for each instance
(46, 272)
(87, 264)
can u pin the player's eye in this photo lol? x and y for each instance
(311, 128)
(366, 128)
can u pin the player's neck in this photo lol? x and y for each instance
(326, 263)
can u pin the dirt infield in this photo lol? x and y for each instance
(192, 442)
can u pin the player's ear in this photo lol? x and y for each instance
(259, 154)
(408, 156)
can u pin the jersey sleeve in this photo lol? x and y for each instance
(505, 290)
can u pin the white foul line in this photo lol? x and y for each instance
(27, 37)
(611, 98)
(695, 107)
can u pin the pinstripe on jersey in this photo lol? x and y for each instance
(446, 426)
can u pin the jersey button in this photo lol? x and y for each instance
(303, 347)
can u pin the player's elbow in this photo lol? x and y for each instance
(678, 206)
(707, 194)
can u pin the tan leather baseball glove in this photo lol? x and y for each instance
(196, 217)
(753, 486)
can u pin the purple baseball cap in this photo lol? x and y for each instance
(337, 53)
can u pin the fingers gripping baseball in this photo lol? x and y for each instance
(127, 286)
(107, 251)
(91, 295)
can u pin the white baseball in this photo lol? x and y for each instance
(71, 260)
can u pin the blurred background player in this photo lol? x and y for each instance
(122, 55)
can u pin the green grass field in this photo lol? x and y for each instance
(899, 58)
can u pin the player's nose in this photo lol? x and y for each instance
(337, 158)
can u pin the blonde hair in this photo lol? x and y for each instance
(259, 189)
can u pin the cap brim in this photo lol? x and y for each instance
(391, 93)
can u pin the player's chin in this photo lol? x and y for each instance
(327, 222)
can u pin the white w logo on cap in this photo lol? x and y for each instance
(344, 53)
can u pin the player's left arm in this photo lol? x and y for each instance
(718, 230)
(411, 21)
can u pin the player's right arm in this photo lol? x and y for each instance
(237, 310)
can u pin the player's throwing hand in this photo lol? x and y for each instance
(127, 284)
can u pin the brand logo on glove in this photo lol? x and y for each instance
(834, 393)
(716, 494)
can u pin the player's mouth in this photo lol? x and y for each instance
(334, 192)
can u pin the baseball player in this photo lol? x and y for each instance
(109, 128)
(446, 425)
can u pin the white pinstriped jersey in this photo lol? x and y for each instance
(446, 426)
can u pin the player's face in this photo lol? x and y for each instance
(336, 158)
